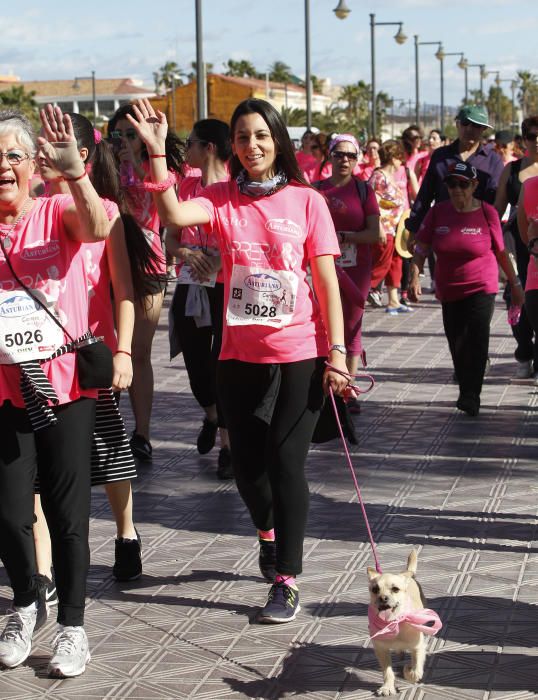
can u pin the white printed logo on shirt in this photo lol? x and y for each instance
(262, 297)
(41, 251)
(284, 227)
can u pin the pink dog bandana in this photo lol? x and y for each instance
(425, 620)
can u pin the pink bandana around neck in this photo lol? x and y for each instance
(425, 620)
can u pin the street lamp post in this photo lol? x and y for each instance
(399, 38)
(308, 77)
(76, 86)
(483, 73)
(200, 70)
(463, 63)
(417, 92)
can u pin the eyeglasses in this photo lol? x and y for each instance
(340, 155)
(129, 134)
(455, 182)
(14, 157)
(531, 137)
(189, 142)
(468, 122)
(315, 147)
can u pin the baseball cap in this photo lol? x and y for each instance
(504, 137)
(477, 114)
(464, 171)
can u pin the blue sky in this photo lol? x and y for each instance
(134, 38)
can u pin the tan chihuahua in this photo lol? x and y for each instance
(398, 620)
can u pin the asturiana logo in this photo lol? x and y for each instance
(41, 251)
(284, 227)
(262, 282)
(16, 306)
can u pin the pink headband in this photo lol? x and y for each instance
(97, 136)
(343, 137)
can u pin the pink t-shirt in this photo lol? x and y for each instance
(465, 245)
(202, 237)
(52, 264)
(305, 160)
(101, 316)
(530, 204)
(266, 243)
(144, 210)
(314, 172)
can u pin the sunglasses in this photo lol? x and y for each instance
(340, 155)
(454, 182)
(189, 142)
(468, 122)
(531, 137)
(129, 134)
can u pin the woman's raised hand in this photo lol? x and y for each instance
(150, 125)
(58, 143)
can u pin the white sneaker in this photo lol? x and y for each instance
(16, 638)
(70, 652)
(524, 369)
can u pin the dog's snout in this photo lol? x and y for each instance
(383, 598)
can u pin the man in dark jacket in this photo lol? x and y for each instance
(471, 122)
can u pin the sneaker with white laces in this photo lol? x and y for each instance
(16, 637)
(70, 653)
(524, 369)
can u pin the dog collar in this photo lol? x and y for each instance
(425, 620)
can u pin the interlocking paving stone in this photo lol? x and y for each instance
(463, 490)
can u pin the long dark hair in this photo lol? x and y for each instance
(285, 153)
(217, 132)
(174, 147)
(105, 179)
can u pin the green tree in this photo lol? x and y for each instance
(191, 77)
(293, 116)
(168, 75)
(330, 120)
(317, 83)
(528, 92)
(17, 98)
(499, 107)
(280, 72)
(241, 69)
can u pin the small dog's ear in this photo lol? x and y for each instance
(412, 561)
(372, 573)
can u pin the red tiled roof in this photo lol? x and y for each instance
(64, 88)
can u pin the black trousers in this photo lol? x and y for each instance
(467, 322)
(269, 455)
(201, 346)
(531, 305)
(524, 332)
(61, 455)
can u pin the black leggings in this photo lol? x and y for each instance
(467, 323)
(61, 455)
(201, 346)
(269, 457)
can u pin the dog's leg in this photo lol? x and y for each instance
(388, 687)
(414, 673)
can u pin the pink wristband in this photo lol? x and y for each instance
(150, 186)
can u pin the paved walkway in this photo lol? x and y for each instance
(462, 490)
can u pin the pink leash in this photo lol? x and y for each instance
(357, 391)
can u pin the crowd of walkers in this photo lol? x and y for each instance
(274, 254)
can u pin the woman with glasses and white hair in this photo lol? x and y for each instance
(47, 416)
(465, 234)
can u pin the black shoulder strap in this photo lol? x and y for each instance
(362, 189)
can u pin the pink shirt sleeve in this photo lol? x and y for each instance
(321, 237)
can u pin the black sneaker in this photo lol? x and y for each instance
(140, 447)
(267, 559)
(206, 437)
(282, 605)
(469, 405)
(224, 468)
(128, 563)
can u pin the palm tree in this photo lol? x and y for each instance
(167, 76)
(280, 72)
(241, 69)
(293, 116)
(17, 98)
(528, 88)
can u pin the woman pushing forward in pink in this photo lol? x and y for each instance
(271, 375)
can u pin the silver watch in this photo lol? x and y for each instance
(339, 348)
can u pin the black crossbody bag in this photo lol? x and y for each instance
(94, 357)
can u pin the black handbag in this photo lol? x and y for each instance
(94, 358)
(327, 428)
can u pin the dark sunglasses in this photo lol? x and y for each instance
(455, 182)
(129, 134)
(340, 155)
(468, 122)
(531, 137)
(189, 142)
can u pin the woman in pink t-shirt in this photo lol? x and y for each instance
(355, 214)
(47, 417)
(109, 279)
(271, 375)
(465, 235)
(197, 306)
(132, 162)
(320, 167)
